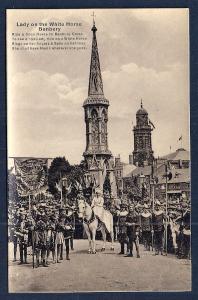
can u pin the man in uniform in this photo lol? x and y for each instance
(40, 241)
(51, 237)
(60, 228)
(68, 230)
(133, 229)
(122, 235)
(158, 228)
(22, 234)
(146, 227)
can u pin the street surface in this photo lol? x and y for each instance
(103, 271)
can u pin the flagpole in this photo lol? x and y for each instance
(61, 191)
(166, 233)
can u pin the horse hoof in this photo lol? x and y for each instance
(89, 251)
(93, 252)
(103, 249)
(112, 248)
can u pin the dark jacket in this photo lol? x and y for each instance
(157, 220)
(132, 222)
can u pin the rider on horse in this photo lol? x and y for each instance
(99, 211)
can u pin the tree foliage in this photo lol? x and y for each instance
(59, 168)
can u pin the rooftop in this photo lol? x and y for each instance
(179, 154)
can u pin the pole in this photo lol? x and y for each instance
(61, 190)
(61, 196)
(153, 194)
(33, 250)
(166, 172)
(153, 206)
(29, 203)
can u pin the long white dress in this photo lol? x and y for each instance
(100, 212)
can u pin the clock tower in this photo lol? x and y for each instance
(143, 153)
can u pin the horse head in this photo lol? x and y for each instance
(84, 209)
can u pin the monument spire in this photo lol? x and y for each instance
(95, 78)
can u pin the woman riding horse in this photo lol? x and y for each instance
(99, 211)
(91, 216)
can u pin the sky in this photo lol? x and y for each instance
(143, 55)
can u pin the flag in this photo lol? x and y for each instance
(150, 123)
(180, 138)
(31, 175)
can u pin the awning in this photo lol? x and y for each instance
(174, 192)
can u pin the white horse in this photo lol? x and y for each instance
(91, 225)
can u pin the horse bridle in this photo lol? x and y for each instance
(93, 217)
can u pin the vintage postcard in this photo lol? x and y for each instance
(98, 150)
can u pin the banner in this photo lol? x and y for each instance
(31, 175)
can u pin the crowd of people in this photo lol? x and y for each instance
(156, 230)
(46, 227)
(49, 226)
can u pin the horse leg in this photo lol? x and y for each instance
(137, 247)
(89, 239)
(103, 231)
(94, 241)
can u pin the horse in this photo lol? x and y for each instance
(91, 225)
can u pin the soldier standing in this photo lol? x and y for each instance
(133, 229)
(51, 238)
(158, 227)
(68, 230)
(40, 242)
(22, 234)
(60, 228)
(122, 235)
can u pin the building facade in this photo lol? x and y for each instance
(153, 178)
